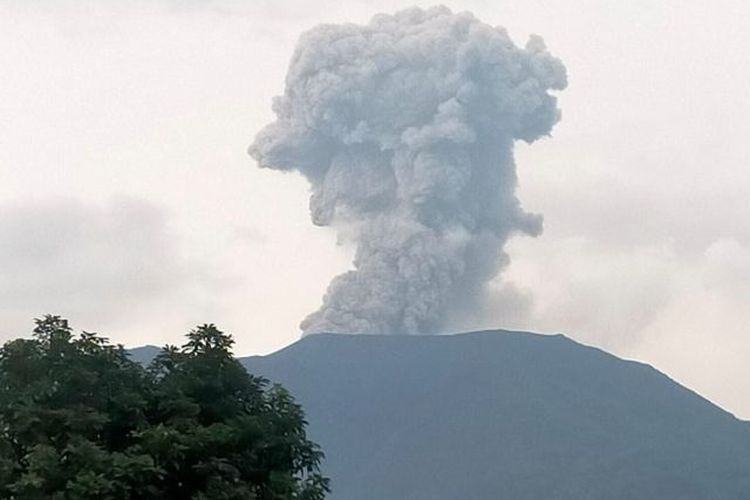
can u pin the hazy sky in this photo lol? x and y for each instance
(128, 202)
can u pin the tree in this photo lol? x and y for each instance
(80, 420)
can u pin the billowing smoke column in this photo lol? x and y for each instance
(405, 129)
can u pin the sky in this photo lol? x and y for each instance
(129, 204)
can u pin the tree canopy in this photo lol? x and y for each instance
(80, 420)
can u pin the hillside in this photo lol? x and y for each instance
(506, 415)
(144, 354)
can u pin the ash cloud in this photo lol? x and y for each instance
(405, 130)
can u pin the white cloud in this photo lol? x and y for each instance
(727, 268)
(593, 292)
(98, 264)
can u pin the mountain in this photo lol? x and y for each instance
(144, 354)
(506, 415)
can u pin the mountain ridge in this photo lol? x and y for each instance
(502, 414)
(505, 414)
(145, 353)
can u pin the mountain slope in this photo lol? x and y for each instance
(506, 415)
(144, 354)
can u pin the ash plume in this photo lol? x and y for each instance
(405, 130)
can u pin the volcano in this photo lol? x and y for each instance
(506, 415)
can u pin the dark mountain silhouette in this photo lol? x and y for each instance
(144, 354)
(506, 415)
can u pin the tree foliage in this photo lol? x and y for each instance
(80, 420)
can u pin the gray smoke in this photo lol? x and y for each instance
(405, 129)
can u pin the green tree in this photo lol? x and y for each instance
(80, 420)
